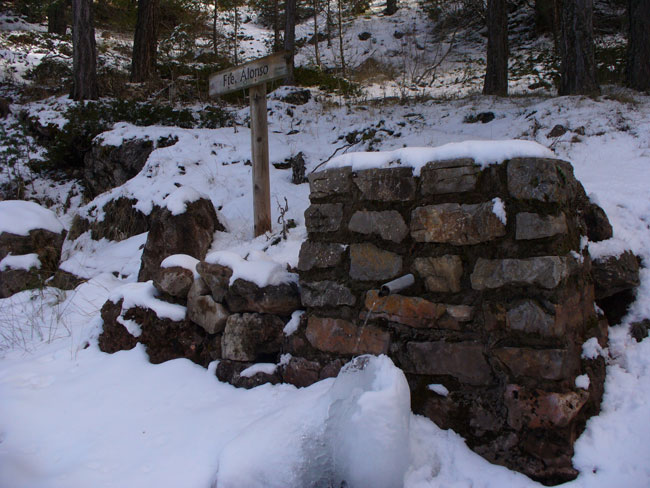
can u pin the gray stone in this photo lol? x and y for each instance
(249, 335)
(325, 294)
(548, 364)
(452, 223)
(301, 372)
(535, 226)
(329, 182)
(527, 316)
(535, 179)
(386, 185)
(462, 313)
(614, 274)
(462, 360)
(245, 296)
(216, 277)
(596, 222)
(320, 255)
(174, 281)
(343, 337)
(203, 310)
(542, 409)
(388, 225)
(441, 274)
(455, 176)
(368, 262)
(324, 217)
(16, 280)
(544, 271)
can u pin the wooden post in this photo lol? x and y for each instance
(260, 152)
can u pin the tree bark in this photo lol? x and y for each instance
(316, 34)
(638, 50)
(277, 38)
(577, 61)
(145, 41)
(496, 72)
(391, 7)
(290, 38)
(340, 23)
(84, 52)
(56, 18)
(215, 16)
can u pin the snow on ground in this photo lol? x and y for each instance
(72, 416)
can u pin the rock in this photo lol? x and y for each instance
(527, 316)
(203, 310)
(324, 217)
(540, 409)
(107, 167)
(217, 277)
(465, 361)
(251, 337)
(121, 221)
(411, 311)
(174, 281)
(16, 280)
(455, 176)
(64, 280)
(544, 271)
(456, 224)
(364, 36)
(298, 168)
(548, 364)
(320, 255)
(386, 185)
(343, 337)
(389, 225)
(301, 372)
(244, 296)
(614, 274)
(46, 244)
(325, 294)
(557, 131)
(329, 183)
(639, 330)
(297, 96)
(535, 226)
(231, 372)
(596, 223)
(535, 179)
(5, 109)
(368, 262)
(441, 274)
(188, 233)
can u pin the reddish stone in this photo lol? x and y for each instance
(411, 311)
(343, 337)
(549, 364)
(462, 360)
(542, 409)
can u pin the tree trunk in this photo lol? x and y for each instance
(316, 35)
(328, 27)
(341, 50)
(638, 50)
(145, 42)
(84, 52)
(290, 38)
(391, 7)
(277, 39)
(236, 36)
(577, 64)
(548, 18)
(56, 18)
(496, 72)
(215, 16)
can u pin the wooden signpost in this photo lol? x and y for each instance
(254, 75)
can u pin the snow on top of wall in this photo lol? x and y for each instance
(483, 153)
(144, 295)
(24, 261)
(176, 202)
(182, 261)
(258, 268)
(20, 216)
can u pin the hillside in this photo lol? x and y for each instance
(73, 416)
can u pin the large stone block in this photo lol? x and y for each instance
(245, 296)
(544, 271)
(324, 217)
(527, 316)
(174, 281)
(320, 255)
(389, 225)
(452, 223)
(464, 361)
(535, 226)
(456, 176)
(249, 335)
(368, 262)
(411, 311)
(325, 294)
(203, 310)
(535, 179)
(441, 274)
(539, 409)
(343, 337)
(614, 274)
(548, 364)
(386, 185)
(329, 182)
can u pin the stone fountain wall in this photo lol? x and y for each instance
(502, 303)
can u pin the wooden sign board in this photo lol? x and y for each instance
(254, 73)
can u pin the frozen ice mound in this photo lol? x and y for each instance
(352, 431)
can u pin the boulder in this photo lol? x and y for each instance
(120, 221)
(614, 274)
(244, 296)
(252, 337)
(174, 281)
(203, 310)
(216, 277)
(245, 375)
(190, 232)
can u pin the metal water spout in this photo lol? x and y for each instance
(396, 285)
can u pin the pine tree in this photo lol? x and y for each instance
(578, 64)
(145, 41)
(638, 52)
(84, 52)
(496, 73)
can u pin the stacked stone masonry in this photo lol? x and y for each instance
(502, 301)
